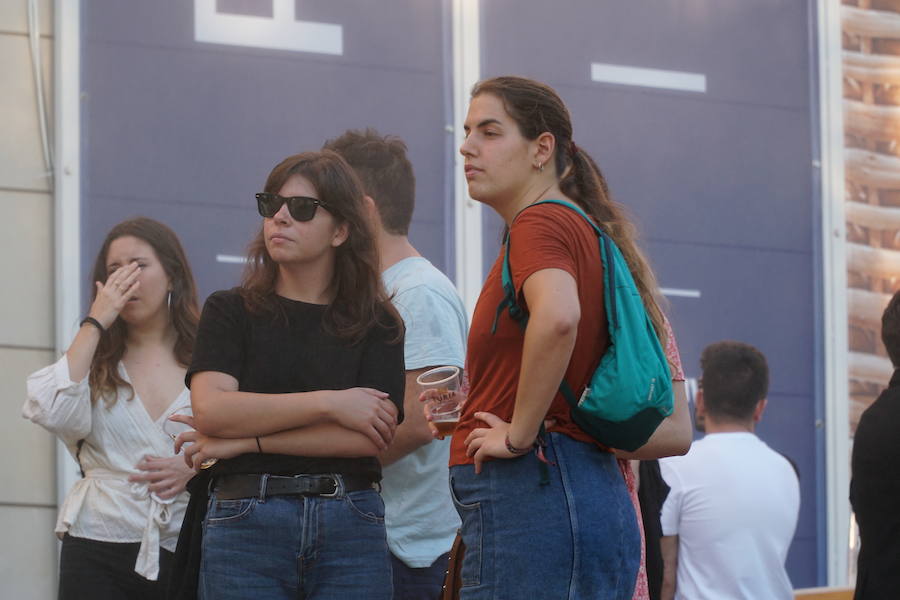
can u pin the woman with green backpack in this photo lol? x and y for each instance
(545, 511)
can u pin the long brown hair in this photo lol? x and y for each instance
(537, 108)
(104, 377)
(360, 299)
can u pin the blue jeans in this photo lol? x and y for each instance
(575, 538)
(296, 547)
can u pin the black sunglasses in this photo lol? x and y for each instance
(302, 208)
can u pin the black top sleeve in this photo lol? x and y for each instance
(219, 346)
(382, 366)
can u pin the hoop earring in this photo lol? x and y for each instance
(169, 301)
(541, 167)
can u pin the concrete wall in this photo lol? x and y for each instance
(28, 548)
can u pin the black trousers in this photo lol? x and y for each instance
(105, 571)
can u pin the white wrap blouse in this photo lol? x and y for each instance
(104, 505)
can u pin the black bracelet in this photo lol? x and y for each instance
(513, 450)
(93, 322)
(258, 445)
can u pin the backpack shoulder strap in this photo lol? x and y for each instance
(509, 292)
(606, 255)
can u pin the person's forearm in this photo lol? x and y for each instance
(81, 353)
(414, 432)
(408, 438)
(322, 440)
(244, 414)
(668, 546)
(545, 357)
(673, 436)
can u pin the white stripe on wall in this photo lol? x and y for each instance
(281, 31)
(654, 78)
(231, 259)
(679, 293)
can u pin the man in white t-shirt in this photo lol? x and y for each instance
(730, 516)
(419, 514)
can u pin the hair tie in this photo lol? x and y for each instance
(573, 149)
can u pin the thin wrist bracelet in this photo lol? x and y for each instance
(513, 450)
(258, 445)
(93, 322)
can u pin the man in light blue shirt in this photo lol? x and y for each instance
(419, 514)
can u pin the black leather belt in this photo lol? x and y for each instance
(330, 485)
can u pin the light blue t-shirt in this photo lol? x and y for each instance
(419, 514)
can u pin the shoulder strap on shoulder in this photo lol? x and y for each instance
(509, 292)
(606, 253)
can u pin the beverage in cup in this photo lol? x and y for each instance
(440, 387)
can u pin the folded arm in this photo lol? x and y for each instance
(221, 411)
(322, 440)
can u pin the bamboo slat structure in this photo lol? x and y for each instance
(871, 58)
(870, 23)
(866, 307)
(872, 121)
(867, 68)
(867, 367)
(877, 262)
(873, 217)
(871, 169)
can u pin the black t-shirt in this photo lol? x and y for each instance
(292, 352)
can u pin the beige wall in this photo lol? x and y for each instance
(28, 548)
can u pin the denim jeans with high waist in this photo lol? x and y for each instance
(575, 538)
(283, 547)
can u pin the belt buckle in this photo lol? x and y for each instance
(338, 486)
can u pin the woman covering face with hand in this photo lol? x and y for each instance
(296, 384)
(107, 399)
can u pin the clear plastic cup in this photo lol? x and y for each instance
(440, 387)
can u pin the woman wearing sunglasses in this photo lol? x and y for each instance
(107, 399)
(296, 384)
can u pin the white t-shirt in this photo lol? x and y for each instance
(733, 505)
(419, 514)
(104, 505)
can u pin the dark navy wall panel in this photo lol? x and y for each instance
(699, 170)
(743, 298)
(718, 180)
(172, 125)
(752, 52)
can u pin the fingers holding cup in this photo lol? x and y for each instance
(441, 398)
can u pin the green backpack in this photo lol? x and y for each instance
(630, 392)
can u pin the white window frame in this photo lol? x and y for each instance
(468, 244)
(834, 279)
(67, 197)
